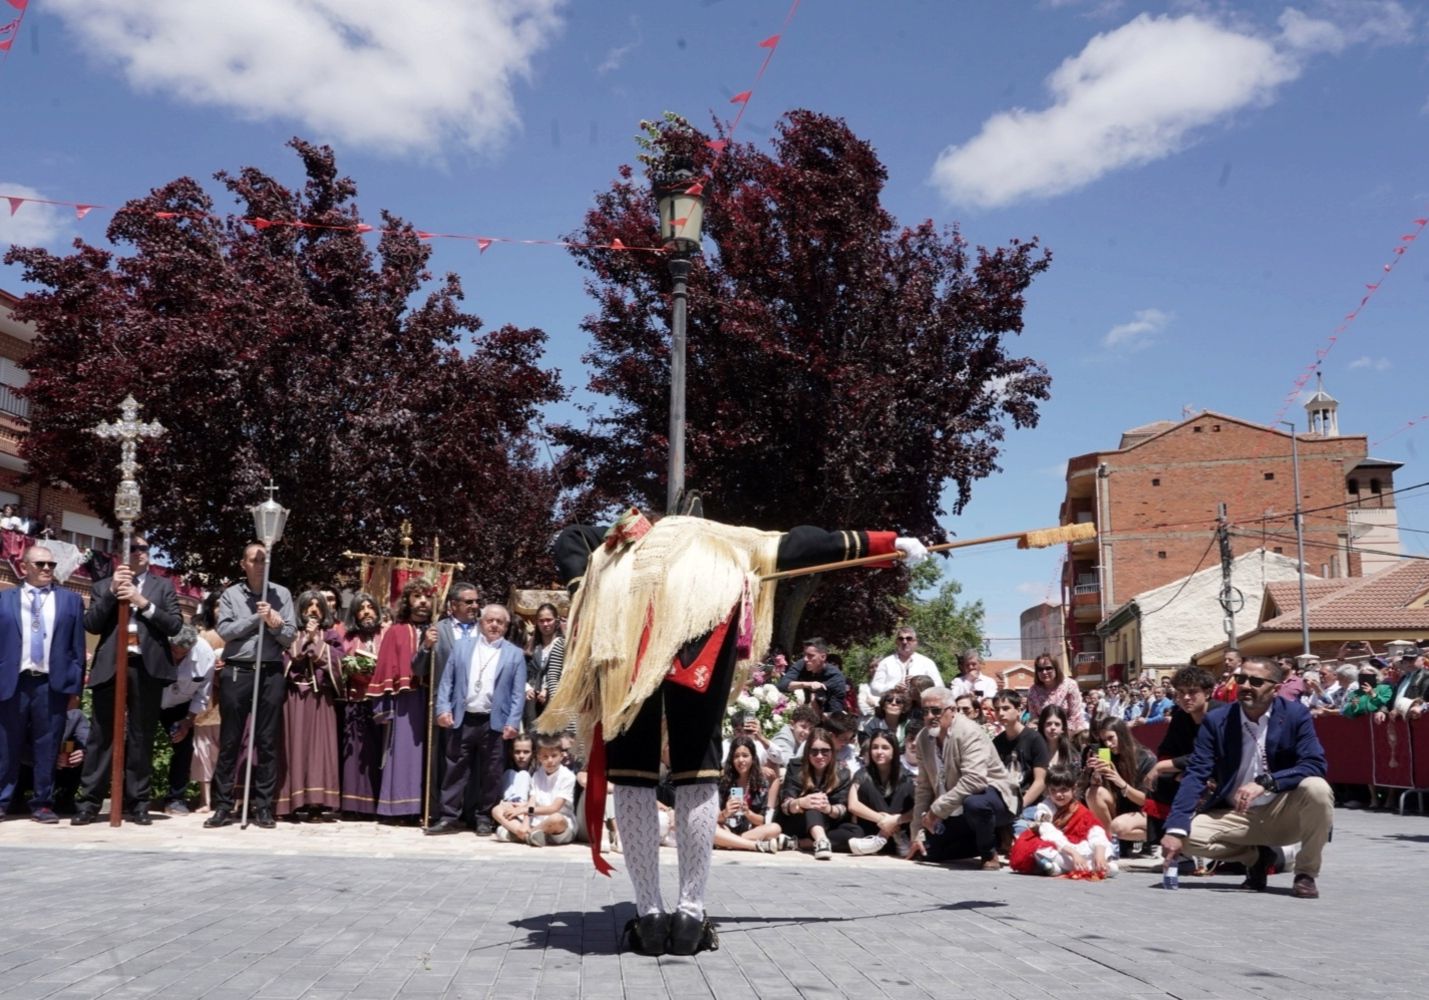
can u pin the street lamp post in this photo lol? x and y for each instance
(127, 430)
(681, 216)
(269, 517)
(1299, 537)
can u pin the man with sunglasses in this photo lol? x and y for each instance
(1269, 770)
(154, 619)
(41, 666)
(904, 663)
(463, 610)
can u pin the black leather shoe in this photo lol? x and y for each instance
(1256, 874)
(691, 935)
(484, 827)
(220, 817)
(443, 826)
(140, 817)
(83, 818)
(647, 935)
(264, 819)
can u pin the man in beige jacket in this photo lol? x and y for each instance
(964, 794)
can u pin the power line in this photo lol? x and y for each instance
(1334, 547)
(1209, 545)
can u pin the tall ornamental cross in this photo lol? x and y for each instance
(128, 429)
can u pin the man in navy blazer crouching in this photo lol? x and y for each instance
(479, 698)
(1269, 770)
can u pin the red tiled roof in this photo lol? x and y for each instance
(1375, 602)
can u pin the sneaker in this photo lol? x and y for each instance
(503, 835)
(537, 838)
(787, 843)
(1045, 866)
(823, 850)
(902, 843)
(484, 827)
(1112, 869)
(769, 846)
(867, 845)
(178, 807)
(46, 815)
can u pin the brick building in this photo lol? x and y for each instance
(1154, 500)
(73, 520)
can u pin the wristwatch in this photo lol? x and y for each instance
(1266, 781)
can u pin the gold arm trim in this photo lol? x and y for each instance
(622, 772)
(705, 773)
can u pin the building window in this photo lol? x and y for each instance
(1269, 476)
(1161, 554)
(1374, 486)
(1197, 429)
(1279, 551)
(1216, 428)
(1355, 487)
(1155, 482)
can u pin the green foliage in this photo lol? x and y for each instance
(945, 627)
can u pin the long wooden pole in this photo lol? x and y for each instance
(1039, 538)
(121, 699)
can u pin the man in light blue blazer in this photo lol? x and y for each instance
(479, 698)
(41, 666)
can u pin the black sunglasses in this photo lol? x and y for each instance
(907, 638)
(1255, 682)
(42, 564)
(138, 547)
(935, 709)
(820, 752)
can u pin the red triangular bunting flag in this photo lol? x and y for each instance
(1409, 237)
(15, 203)
(362, 227)
(680, 222)
(422, 235)
(19, 4)
(1399, 250)
(717, 144)
(481, 244)
(80, 211)
(1373, 287)
(5, 45)
(615, 244)
(698, 187)
(771, 42)
(1421, 222)
(742, 97)
(259, 223)
(166, 215)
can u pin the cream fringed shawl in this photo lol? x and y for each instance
(685, 577)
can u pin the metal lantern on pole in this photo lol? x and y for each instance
(127, 430)
(682, 214)
(269, 518)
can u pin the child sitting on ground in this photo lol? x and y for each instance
(547, 816)
(516, 782)
(1066, 838)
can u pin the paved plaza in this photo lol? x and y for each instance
(359, 912)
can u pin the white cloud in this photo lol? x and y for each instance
(615, 58)
(1377, 364)
(406, 77)
(32, 225)
(1032, 588)
(1137, 333)
(1143, 91)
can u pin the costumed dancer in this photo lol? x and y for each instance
(663, 618)
(360, 738)
(402, 700)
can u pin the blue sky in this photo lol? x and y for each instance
(1217, 182)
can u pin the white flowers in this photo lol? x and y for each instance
(769, 694)
(747, 702)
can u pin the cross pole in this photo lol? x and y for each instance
(128, 429)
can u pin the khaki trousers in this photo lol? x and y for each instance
(1303, 814)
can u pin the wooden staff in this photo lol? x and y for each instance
(121, 700)
(1039, 538)
(432, 687)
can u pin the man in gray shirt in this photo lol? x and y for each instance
(242, 611)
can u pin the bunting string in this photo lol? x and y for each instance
(1321, 353)
(482, 242)
(10, 30)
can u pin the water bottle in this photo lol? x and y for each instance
(1171, 875)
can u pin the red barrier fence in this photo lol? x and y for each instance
(1359, 751)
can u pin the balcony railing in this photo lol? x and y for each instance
(1088, 658)
(13, 403)
(1087, 588)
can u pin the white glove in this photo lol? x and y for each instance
(913, 550)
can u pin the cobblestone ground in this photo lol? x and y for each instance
(357, 912)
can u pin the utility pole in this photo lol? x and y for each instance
(1232, 600)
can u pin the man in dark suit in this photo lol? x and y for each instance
(41, 666)
(480, 698)
(153, 620)
(463, 609)
(1269, 770)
